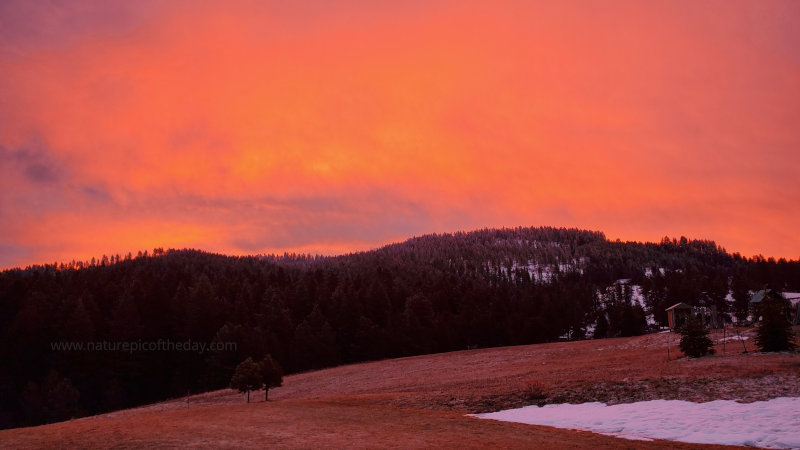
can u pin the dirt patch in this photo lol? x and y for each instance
(696, 390)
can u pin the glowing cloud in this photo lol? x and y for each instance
(245, 127)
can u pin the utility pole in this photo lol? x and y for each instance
(724, 337)
(669, 338)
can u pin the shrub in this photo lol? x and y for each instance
(534, 390)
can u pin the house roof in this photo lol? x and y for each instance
(759, 295)
(680, 305)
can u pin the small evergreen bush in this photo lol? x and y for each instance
(694, 338)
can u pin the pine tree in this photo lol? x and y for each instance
(60, 398)
(694, 338)
(774, 333)
(601, 329)
(741, 297)
(314, 343)
(247, 377)
(126, 323)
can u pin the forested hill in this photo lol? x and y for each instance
(429, 294)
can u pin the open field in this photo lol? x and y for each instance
(421, 401)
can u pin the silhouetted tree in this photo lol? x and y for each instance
(272, 375)
(774, 333)
(30, 401)
(248, 377)
(232, 344)
(60, 398)
(125, 323)
(601, 329)
(741, 297)
(314, 343)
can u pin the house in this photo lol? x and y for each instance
(768, 295)
(677, 314)
(794, 298)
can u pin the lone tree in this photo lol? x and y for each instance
(694, 338)
(272, 374)
(247, 377)
(774, 333)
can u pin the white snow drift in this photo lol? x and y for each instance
(774, 423)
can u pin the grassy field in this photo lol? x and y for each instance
(421, 401)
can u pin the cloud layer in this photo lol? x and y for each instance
(245, 127)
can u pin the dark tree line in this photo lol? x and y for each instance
(429, 294)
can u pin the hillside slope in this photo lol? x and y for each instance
(420, 401)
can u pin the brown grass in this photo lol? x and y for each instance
(306, 424)
(420, 401)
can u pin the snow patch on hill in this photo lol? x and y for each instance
(637, 298)
(537, 271)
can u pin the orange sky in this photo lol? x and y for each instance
(331, 126)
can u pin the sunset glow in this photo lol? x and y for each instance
(336, 126)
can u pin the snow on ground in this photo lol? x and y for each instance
(733, 338)
(772, 424)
